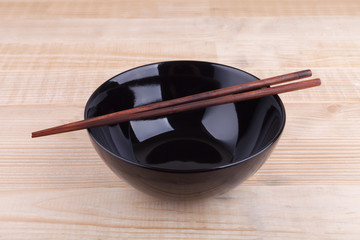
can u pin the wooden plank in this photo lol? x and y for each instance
(57, 9)
(74, 87)
(72, 162)
(303, 120)
(262, 211)
(131, 31)
(282, 53)
(233, 8)
(319, 144)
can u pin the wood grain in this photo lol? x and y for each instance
(263, 212)
(54, 54)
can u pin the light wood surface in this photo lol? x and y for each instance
(53, 55)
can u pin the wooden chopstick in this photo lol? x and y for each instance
(210, 98)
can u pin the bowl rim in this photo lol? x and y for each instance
(270, 144)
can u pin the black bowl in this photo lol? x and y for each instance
(191, 154)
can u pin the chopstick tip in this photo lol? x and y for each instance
(305, 73)
(35, 134)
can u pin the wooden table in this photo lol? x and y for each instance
(54, 54)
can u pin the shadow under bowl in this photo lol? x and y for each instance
(186, 155)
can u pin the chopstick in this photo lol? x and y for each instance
(192, 102)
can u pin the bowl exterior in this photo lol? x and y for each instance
(184, 185)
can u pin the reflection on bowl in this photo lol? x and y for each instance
(191, 154)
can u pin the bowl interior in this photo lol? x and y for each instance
(195, 140)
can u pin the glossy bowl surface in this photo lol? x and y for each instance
(186, 155)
